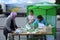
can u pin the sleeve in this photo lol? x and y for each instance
(7, 24)
(44, 22)
(34, 22)
(16, 26)
(34, 17)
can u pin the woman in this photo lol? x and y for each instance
(31, 18)
(10, 24)
(38, 21)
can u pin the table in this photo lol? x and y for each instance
(25, 33)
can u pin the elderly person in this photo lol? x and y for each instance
(10, 24)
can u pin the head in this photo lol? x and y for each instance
(13, 15)
(31, 12)
(40, 18)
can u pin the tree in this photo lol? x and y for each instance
(58, 10)
(57, 1)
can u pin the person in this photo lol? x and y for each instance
(10, 24)
(31, 17)
(40, 20)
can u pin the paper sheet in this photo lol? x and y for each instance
(40, 25)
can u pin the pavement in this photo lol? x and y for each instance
(24, 37)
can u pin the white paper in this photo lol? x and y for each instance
(40, 25)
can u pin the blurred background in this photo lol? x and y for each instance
(20, 6)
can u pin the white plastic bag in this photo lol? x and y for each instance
(18, 31)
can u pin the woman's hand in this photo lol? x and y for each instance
(31, 21)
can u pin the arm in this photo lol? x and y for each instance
(35, 24)
(7, 23)
(44, 21)
(15, 25)
(27, 20)
(36, 21)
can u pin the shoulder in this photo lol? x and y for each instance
(44, 20)
(8, 18)
(36, 20)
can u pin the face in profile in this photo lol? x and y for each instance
(31, 12)
(40, 18)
